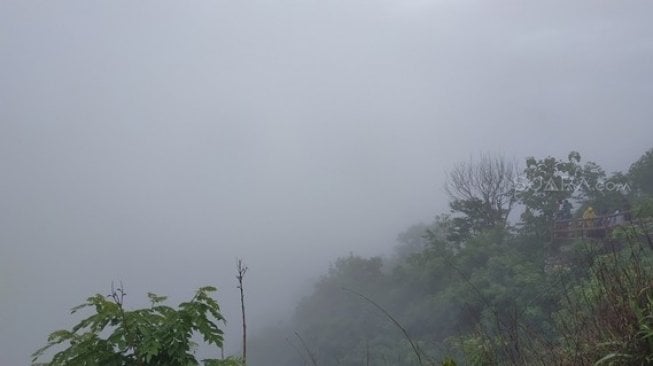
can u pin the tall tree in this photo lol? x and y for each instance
(641, 173)
(550, 181)
(483, 192)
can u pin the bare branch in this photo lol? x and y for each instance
(241, 269)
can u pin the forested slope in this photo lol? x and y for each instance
(479, 288)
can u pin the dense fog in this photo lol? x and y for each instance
(155, 142)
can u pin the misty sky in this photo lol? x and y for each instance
(154, 142)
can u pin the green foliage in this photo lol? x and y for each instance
(448, 362)
(641, 173)
(550, 181)
(644, 207)
(607, 319)
(478, 350)
(486, 294)
(159, 335)
(331, 312)
(474, 219)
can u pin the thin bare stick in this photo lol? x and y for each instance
(241, 274)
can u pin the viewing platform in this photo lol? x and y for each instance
(592, 228)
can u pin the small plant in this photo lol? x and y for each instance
(158, 335)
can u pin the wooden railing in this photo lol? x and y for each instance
(597, 227)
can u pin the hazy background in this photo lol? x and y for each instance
(154, 142)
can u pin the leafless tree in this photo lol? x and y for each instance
(486, 186)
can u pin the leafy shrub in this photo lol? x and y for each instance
(159, 335)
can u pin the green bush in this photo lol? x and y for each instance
(158, 335)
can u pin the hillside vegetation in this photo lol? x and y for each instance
(474, 287)
(570, 282)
